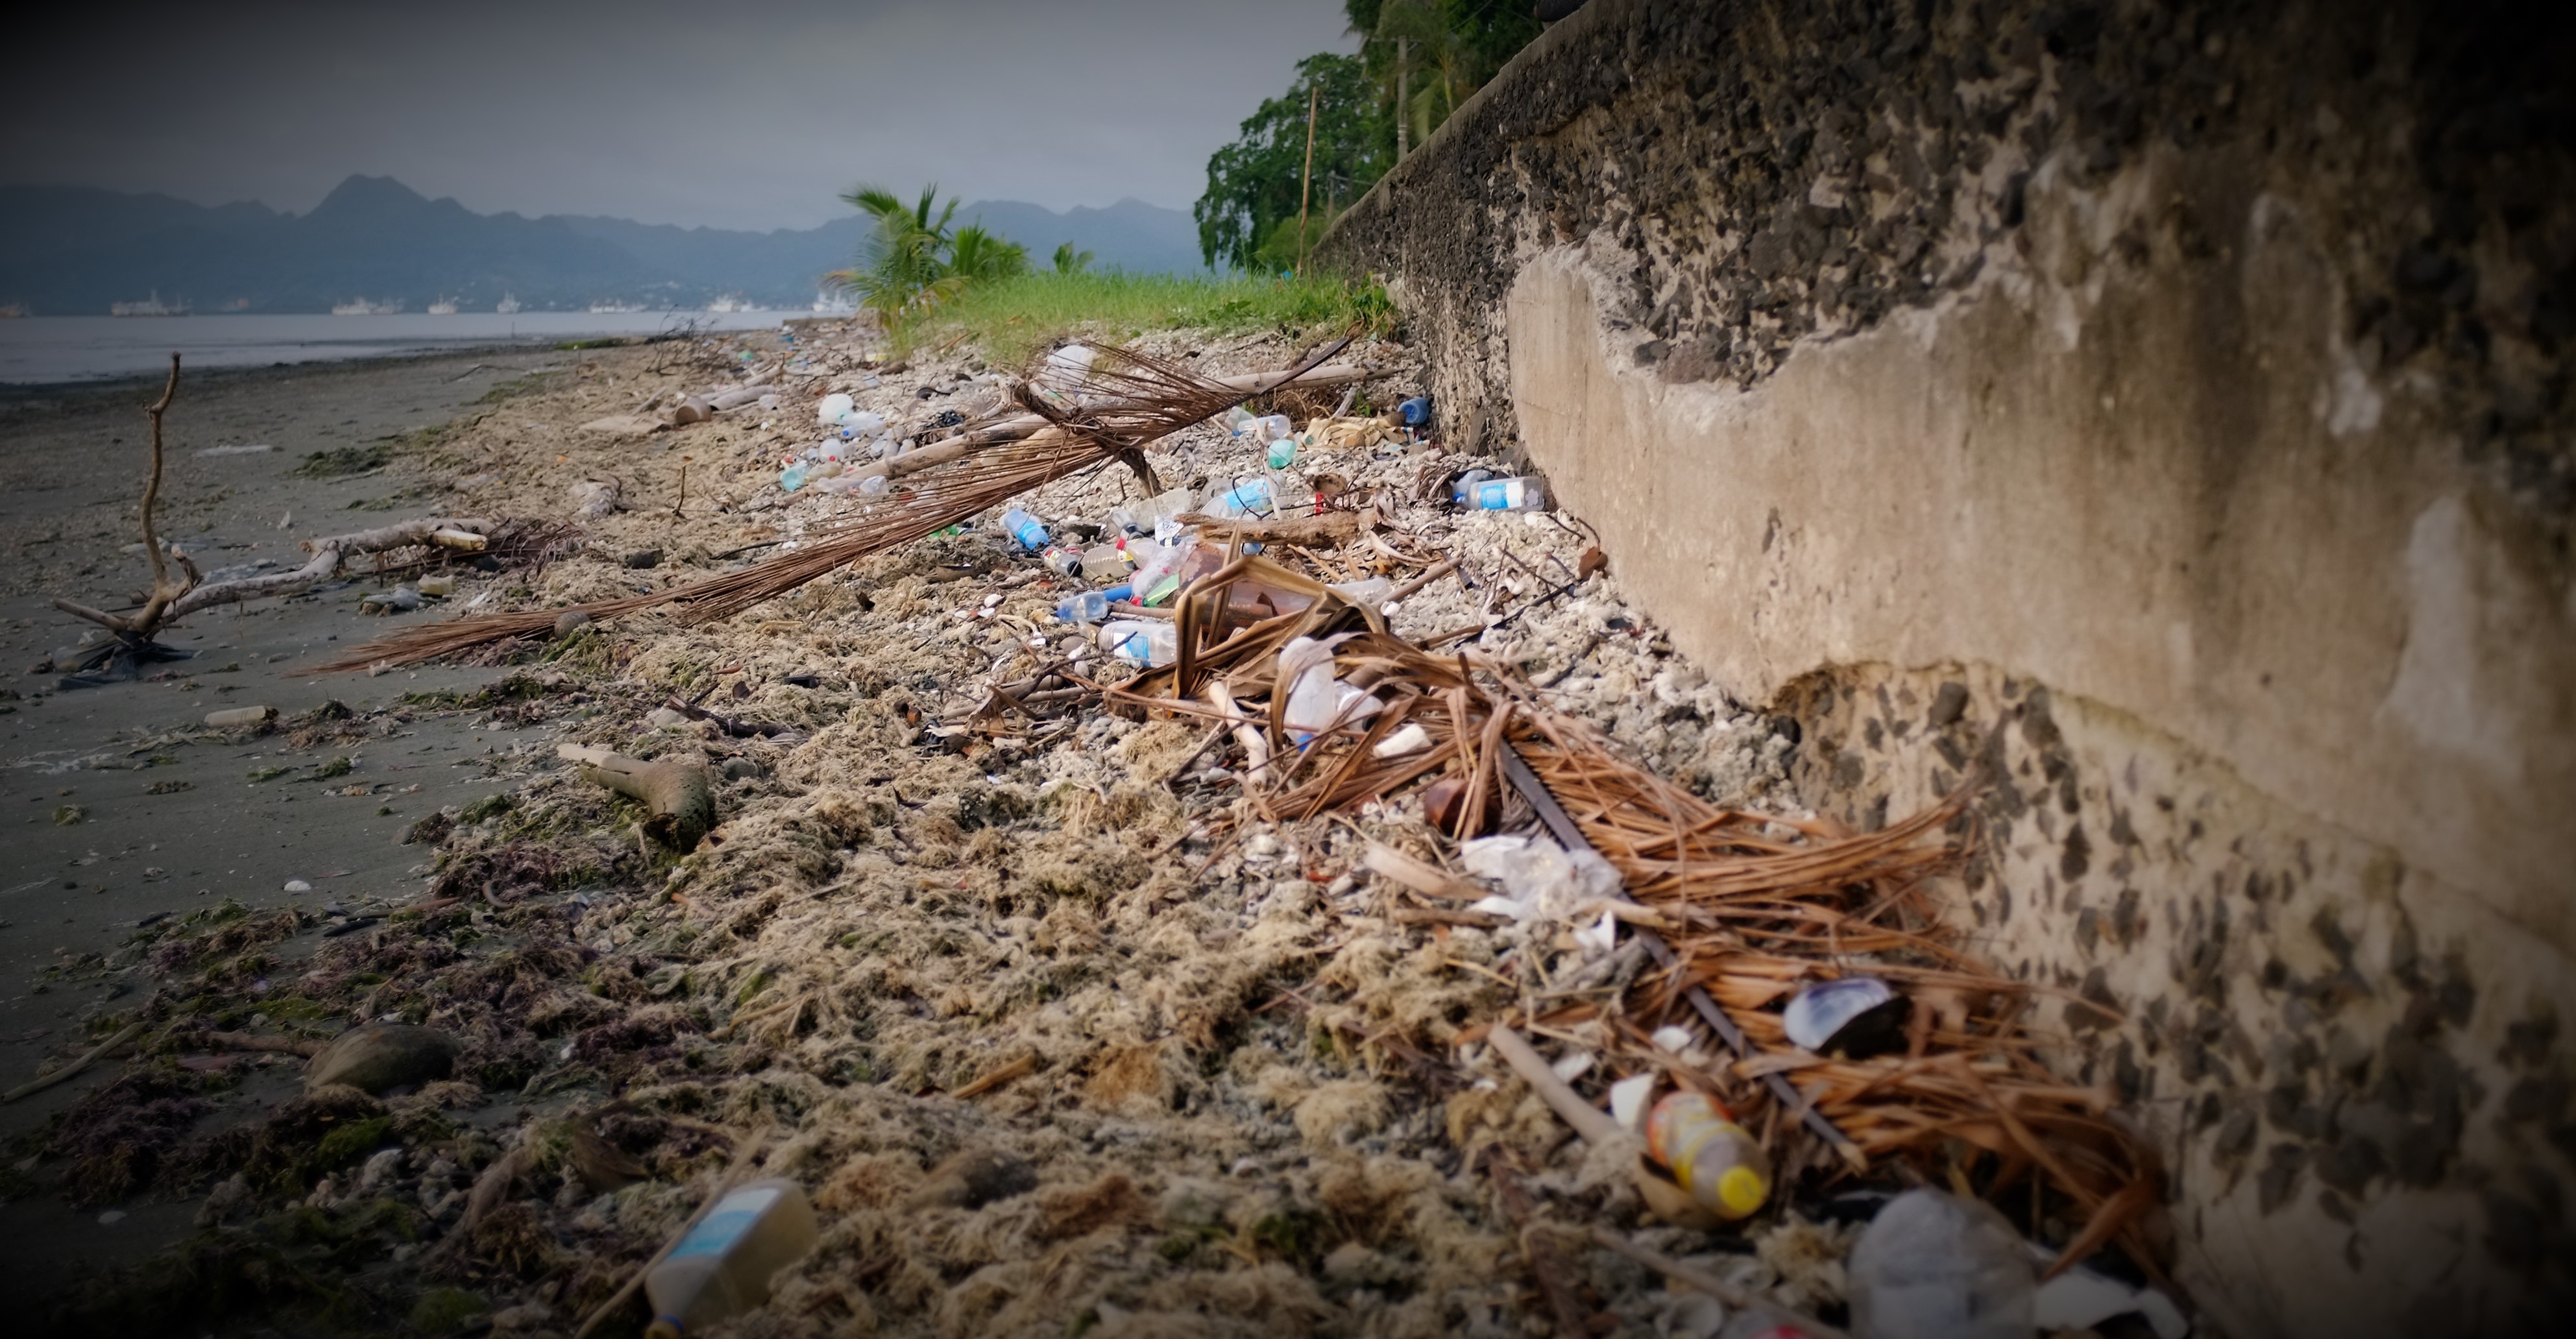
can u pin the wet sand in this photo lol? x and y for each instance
(118, 804)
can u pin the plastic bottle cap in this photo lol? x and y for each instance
(1741, 1190)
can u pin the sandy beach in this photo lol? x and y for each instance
(1011, 981)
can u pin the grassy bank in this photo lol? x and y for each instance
(1011, 318)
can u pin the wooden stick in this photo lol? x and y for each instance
(1594, 1124)
(995, 1078)
(1305, 183)
(33, 1086)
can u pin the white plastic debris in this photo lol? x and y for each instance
(298, 886)
(2080, 1299)
(1410, 739)
(1599, 938)
(1628, 1100)
(1573, 1065)
(1673, 1037)
(1540, 879)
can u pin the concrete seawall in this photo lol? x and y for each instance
(2172, 408)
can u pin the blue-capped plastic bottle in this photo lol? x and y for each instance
(1414, 413)
(1480, 490)
(1091, 606)
(1024, 529)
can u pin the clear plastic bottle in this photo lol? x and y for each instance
(1106, 562)
(1146, 641)
(1935, 1266)
(1024, 529)
(1063, 559)
(723, 1266)
(1089, 606)
(1283, 452)
(1712, 1157)
(832, 408)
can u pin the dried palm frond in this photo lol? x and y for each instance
(1127, 400)
(1761, 906)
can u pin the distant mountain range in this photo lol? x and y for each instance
(73, 250)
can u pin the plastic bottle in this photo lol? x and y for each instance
(1024, 529)
(1239, 420)
(1935, 1266)
(832, 408)
(1255, 495)
(1709, 1154)
(1089, 606)
(1500, 494)
(722, 1268)
(1065, 560)
(1414, 413)
(858, 423)
(1068, 368)
(792, 477)
(1283, 452)
(1148, 641)
(1106, 562)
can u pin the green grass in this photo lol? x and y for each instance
(1011, 319)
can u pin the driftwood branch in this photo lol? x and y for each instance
(674, 793)
(328, 555)
(33, 1086)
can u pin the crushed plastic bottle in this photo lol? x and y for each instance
(1090, 606)
(1146, 641)
(723, 1266)
(1710, 1155)
(1935, 1266)
(1024, 529)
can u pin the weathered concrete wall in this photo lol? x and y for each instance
(2171, 403)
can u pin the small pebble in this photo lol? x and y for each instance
(298, 886)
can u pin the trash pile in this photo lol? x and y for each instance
(1270, 885)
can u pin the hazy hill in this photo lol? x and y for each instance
(73, 250)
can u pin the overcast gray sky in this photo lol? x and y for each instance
(738, 115)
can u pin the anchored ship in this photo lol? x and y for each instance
(151, 306)
(508, 305)
(362, 307)
(443, 307)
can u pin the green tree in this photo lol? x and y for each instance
(1252, 189)
(1433, 54)
(913, 260)
(1070, 261)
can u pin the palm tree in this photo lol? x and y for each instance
(1071, 261)
(902, 258)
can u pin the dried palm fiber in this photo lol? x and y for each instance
(1758, 906)
(1126, 400)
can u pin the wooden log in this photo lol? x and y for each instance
(676, 794)
(33, 1086)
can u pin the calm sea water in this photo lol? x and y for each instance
(91, 348)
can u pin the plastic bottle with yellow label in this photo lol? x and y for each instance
(1712, 1157)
